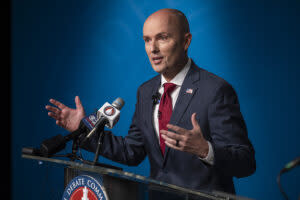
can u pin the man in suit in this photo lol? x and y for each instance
(196, 136)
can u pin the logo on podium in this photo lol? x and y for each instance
(84, 188)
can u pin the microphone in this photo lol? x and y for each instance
(51, 145)
(108, 115)
(156, 98)
(290, 165)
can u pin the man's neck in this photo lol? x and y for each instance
(170, 74)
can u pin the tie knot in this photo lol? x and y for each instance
(169, 87)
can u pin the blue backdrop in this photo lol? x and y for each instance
(94, 49)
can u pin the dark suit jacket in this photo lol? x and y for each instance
(220, 119)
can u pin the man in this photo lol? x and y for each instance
(196, 136)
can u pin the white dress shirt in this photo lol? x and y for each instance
(178, 80)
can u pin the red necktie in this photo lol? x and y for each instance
(165, 112)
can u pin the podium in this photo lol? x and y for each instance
(121, 185)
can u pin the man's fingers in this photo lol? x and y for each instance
(168, 139)
(171, 145)
(171, 135)
(57, 103)
(53, 109)
(53, 115)
(59, 123)
(177, 129)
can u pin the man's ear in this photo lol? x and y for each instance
(187, 40)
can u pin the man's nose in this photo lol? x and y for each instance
(154, 47)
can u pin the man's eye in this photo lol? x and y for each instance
(163, 37)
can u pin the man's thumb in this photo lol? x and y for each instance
(78, 102)
(194, 121)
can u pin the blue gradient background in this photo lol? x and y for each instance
(94, 49)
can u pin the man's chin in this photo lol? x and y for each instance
(159, 68)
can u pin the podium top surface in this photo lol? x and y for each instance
(134, 177)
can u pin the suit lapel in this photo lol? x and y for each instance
(186, 93)
(149, 115)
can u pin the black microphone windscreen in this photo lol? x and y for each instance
(53, 145)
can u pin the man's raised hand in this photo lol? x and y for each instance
(191, 141)
(67, 118)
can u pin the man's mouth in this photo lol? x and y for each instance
(157, 59)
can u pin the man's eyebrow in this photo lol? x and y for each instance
(163, 33)
(158, 34)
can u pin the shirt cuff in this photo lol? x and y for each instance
(210, 155)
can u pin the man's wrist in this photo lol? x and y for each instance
(204, 151)
(209, 156)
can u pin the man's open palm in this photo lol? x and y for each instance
(67, 118)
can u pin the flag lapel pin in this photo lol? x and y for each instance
(189, 91)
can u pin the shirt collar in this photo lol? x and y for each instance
(179, 78)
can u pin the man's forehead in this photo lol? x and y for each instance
(159, 23)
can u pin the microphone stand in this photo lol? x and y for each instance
(99, 144)
(75, 147)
